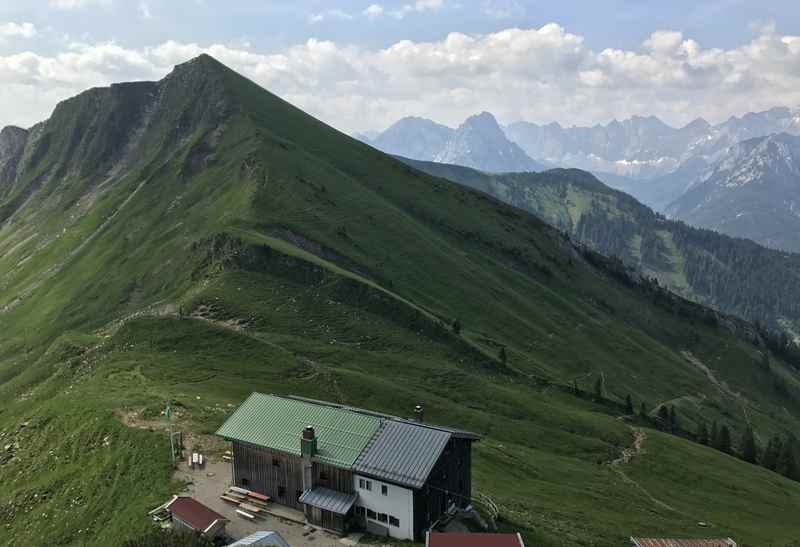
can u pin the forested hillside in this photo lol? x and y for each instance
(734, 275)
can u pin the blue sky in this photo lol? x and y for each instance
(361, 64)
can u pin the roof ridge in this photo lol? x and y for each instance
(376, 414)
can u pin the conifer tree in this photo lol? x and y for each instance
(772, 453)
(663, 418)
(598, 388)
(725, 440)
(749, 449)
(643, 411)
(503, 356)
(628, 405)
(457, 326)
(673, 420)
(702, 434)
(787, 464)
(713, 439)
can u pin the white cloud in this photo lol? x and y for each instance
(17, 30)
(542, 75)
(77, 4)
(144, 10)
(330, 14)
(420, 6)
(373, 10)
(502, 9)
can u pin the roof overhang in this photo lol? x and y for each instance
(329, 500)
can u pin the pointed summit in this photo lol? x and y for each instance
(481, 144)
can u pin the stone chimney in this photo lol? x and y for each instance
(308, 449)
(419, 414)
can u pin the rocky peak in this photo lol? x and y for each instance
(12, 141)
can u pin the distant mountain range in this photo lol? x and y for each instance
(479, 143)
(753, 192)
(682, 172)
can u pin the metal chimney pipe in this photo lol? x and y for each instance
(419, 413)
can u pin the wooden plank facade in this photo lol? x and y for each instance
(449, 483)
(280, 476)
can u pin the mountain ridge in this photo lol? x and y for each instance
(750, 193)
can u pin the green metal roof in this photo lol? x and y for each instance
(277, 423)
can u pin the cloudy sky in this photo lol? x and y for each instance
(362, 64)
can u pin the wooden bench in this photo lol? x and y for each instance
(236, 496)
(245, 515)
(250, 508)
(230, 499)
(257, 496)
(239, 490)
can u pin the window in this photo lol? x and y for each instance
(323, 476)
(394, 521)
(382, 517)
(245, 482)
(368, 485)
(372, 514)
(276, 462)
(281, 491)
(362, 484)
(360, 511)
(384, 490)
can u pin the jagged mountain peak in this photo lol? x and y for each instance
(480, 143)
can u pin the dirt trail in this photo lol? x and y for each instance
(633, 451)
(720, 385)
(627, 456)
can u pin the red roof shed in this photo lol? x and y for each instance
(192, 514)
(473, 540)
(664, 542)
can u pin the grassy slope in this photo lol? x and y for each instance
(355, 321)
(734, 275)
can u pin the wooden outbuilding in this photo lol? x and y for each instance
(189, 514)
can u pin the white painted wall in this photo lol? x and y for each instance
(399, 503)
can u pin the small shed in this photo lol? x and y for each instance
(189, 514)
(666, 542)
(473, 540)
(261, 539)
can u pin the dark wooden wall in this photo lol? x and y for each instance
(326, 519)
(253, 468)
(450, 482)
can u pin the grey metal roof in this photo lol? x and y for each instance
(273, 539)
(402, 452)
(329, 500)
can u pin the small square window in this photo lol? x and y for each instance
(369, 486)
(276, 462)
(382, 517)
(372, 514)
(384, 490)
(362, 484)
(360, 511)
(394, 521)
